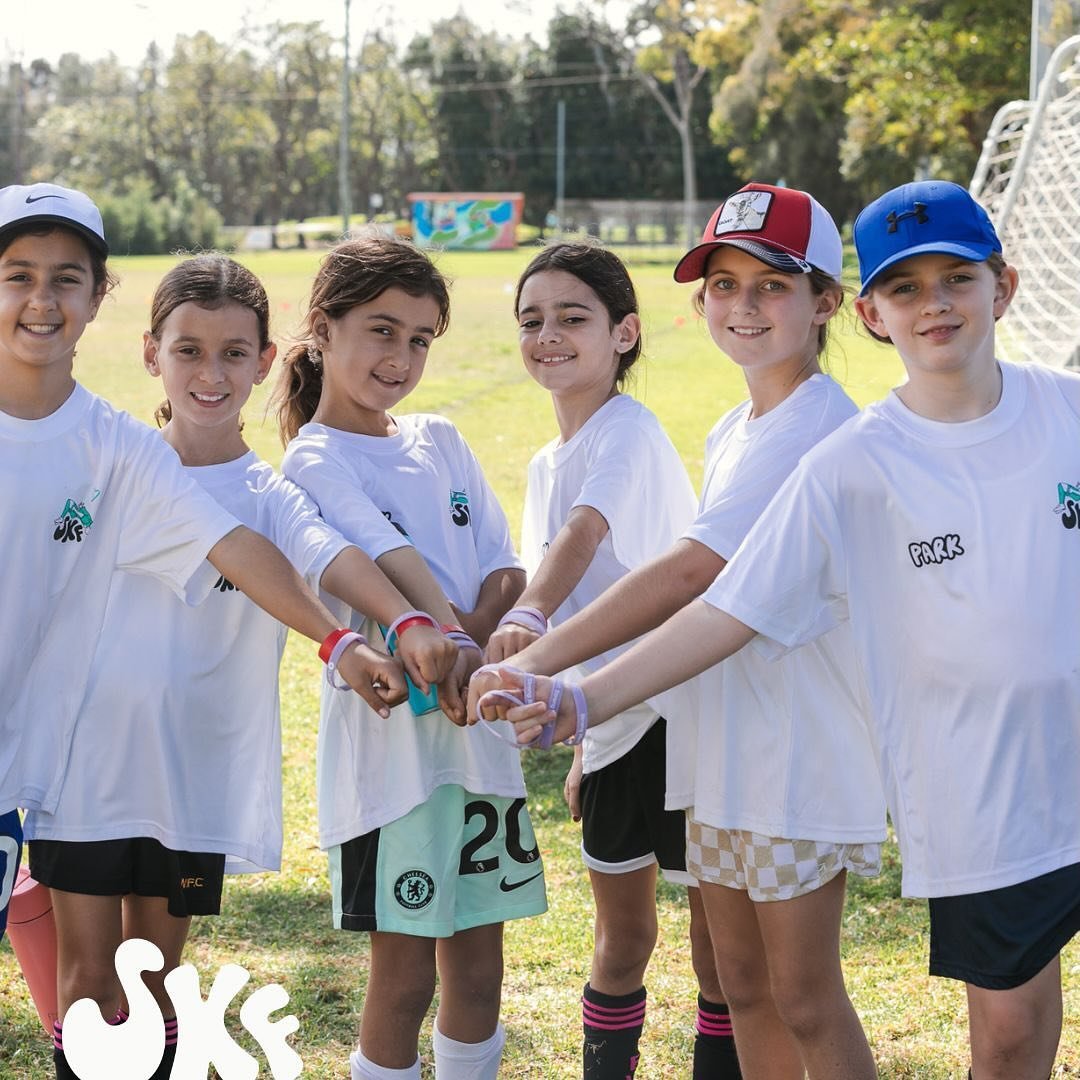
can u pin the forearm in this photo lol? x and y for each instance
(265, 576)
(406, 570)
(634, 605)
(499, 592)
(692, 640)
(566, 560)
(353, 577)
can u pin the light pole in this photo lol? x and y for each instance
(344, 191)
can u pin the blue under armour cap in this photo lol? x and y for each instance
(929, 217)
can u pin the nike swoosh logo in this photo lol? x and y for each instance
(38, 198)
(510, 886)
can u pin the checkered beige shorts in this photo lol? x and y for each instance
(768, 868)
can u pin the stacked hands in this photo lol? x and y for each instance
(542, 710)
(424, 653)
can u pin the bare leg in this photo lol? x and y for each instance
(1014, 1033)
(802, 943)
(625, 929)
(89, 930)
(401, 984)
(767, 1050)
(148, 917)
(470, 983)
(701, 950)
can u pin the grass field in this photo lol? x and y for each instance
(277, 926)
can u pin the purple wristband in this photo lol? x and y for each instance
(529, 618)
(343, 643)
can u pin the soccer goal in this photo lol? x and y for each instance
(1028, 178)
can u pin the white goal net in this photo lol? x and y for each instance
(1028, 178)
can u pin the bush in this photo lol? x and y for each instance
(137, 223)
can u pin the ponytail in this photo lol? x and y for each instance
(298, 389)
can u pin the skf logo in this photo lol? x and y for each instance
(1069, 505)
(73, 521)
(931, 552)
(459, 508)
(97, 1050)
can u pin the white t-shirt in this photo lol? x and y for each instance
(426, 482)
(952, 549)
(623, 465)
(190, 696)
(86, 491)
(782, 749)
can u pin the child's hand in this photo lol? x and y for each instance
(476, 626)
(428, 655)
(377, 678)
(572, 786)
(452, 689)
(481, 682)
(507, 641)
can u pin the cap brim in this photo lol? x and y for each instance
(692, 265)
(95, 242)
(970, 252)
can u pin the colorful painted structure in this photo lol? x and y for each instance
(474, 221)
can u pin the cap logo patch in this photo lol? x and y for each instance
(744, 212)
(919, 214)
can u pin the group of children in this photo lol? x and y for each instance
(904, 647)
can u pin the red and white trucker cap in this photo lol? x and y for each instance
(785, 228)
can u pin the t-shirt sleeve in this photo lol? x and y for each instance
(1069, 384)
(170, 523)
(298, 529)
(340, 499)
(787, 578)
(491, 531)
(752, 482)
(637, 482)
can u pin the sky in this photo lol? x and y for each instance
(126, 27)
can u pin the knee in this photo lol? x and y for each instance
(86, 977)
(622, 951)
(1008, 1034)
(745, 983)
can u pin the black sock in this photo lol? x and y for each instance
(612, 1025)
(164, 1069)
(714, 1045)
(63, 1070)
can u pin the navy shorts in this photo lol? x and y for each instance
(189, 880)
(10, 853)
(624, 825)
(1001, 938)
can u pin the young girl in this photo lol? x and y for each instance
(88, 491)
(608, 494)
(199, 714)
(940, 525)
(769, 841)
(430, 843)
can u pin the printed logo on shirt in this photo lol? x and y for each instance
(931, 552)
(73, 521)
(459, 508)
(1069, 505)
(397, 524)
(414, 890)
(223, 584)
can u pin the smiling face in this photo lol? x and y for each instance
(568, 342)
(939, 311)
(208, 359)
(373, 356)
(47, 298)
(760, 317)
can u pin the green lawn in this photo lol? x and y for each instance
(278, 925)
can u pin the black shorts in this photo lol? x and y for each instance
(1001, 938)
(190, 881)
(624, 825)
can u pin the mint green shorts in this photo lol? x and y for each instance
(456, 861)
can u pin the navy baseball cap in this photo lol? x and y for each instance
(929, 217)
(49, 203)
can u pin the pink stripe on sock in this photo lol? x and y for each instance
(58, 1035)
(171, 1032)
(714, 1024)
(612, 1019)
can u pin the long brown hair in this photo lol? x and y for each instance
(211, 281)
(355, 272)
